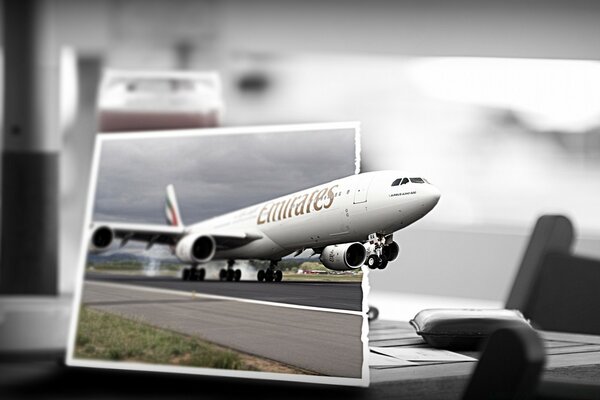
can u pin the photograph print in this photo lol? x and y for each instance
(221, 252)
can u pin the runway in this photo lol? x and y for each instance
(338, 295)
(326, 343)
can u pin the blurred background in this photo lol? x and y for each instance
(496, 103)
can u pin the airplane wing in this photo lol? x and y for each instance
(150, 233)
(170, 235)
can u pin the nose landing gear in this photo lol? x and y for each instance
(376, 262)
(378, 259)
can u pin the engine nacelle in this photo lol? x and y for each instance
(196, 248)
(344, 257)
(101, 239)
(391, 251)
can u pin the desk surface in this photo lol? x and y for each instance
(569, 356)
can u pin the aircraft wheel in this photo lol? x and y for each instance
(278, 276)
(260, 275)
(373, 313)
(222, 274)
(186, 275)
(201, 274)
(383, 262)
(269, 275)
(238, 275)
(372, 261)
(193, 275)
(230, 275)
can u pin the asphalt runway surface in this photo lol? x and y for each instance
(323, 342)
(337, 295)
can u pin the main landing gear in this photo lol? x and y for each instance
(271, 274)
(230, 274)
(193, 274)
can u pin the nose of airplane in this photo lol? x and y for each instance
(433, 196)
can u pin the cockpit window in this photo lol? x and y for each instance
(417, 180)
(403, 181)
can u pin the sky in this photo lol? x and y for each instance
(214, 174)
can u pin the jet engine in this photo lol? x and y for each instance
(196, 248)
(344, 257)
(101, 239)
(391, 251)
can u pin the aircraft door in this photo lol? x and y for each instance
(362, 188)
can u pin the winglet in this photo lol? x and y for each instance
(171, 208)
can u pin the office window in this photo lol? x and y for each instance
(472, 125)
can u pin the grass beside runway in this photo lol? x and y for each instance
(293, 271)
(105, 336)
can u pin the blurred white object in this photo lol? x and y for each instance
(157, 100)
(69, 90)
(547, 95)
(34, 325)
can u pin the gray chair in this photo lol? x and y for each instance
(557, 291)
(554, 289)
(510, 366)
(566, 295)
(552, 233)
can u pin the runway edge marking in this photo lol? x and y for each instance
(217, 297)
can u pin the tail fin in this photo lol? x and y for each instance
(172, 208)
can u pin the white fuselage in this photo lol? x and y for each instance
(341, 211)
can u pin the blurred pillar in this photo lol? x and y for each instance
(29, 241)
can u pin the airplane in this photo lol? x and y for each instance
(350, 222)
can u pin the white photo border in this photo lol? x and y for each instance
(71, 360)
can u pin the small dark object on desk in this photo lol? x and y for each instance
(464, 329)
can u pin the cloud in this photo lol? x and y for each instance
(214, 174)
